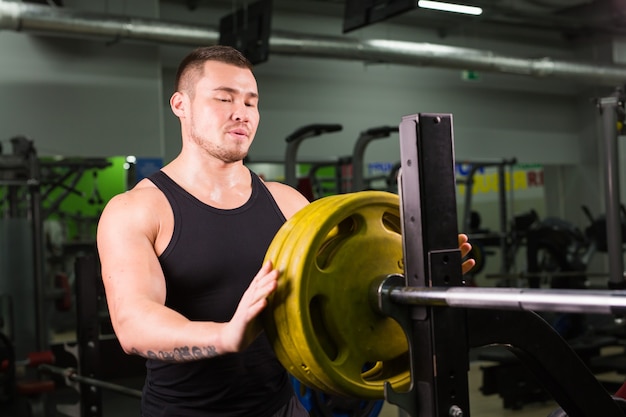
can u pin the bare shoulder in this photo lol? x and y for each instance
(134, 210)
(139, 198)
(288, 198)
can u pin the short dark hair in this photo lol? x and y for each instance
(195, 60)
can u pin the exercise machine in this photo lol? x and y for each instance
(359, 181)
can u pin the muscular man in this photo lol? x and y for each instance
(182, 256)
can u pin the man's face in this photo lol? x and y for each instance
(224, 114)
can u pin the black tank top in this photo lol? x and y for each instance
(208, 264)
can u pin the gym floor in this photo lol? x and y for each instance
(116, 405)
(492, 405)
(481, 405)
(487, 405)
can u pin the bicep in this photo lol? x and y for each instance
(131, 272)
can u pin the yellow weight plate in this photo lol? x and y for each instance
(292, 360)
(275, 317)
(321, 309)
(382, 369)
(278, 328)
(343, 335)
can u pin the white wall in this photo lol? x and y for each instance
(77, 97)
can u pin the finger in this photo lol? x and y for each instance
(265, 282)
(265, 273)
(265, 268)
(468, 265)
(465, 249)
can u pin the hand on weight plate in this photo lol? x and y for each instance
(244, 327)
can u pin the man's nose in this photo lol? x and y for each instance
(241, 112)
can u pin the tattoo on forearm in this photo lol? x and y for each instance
(180, 354)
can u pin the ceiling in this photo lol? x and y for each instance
(532, 21)
(565, 20)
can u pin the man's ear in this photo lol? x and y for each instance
(177, 104)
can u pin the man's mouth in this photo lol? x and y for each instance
(239, 132)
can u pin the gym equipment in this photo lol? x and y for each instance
(359, 182)
(90, 354)
(314, 185)
(72, 377)
(505, 239)
(337, 345)
(21, 233)
(611, 110)
(510, 241)
(62, 294)
(22, 390)
(27, 197)
(392, 178)
(553, 246)
(596, 232)
(557, 254)
(95, 197)
(336, 182)
(330, 318)
(87, 366)
(517, 386)
(7, 369)
(558, 251)
(65, 174)
(293, 143)
(558, 248)
(27, 394)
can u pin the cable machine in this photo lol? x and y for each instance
(22, 253)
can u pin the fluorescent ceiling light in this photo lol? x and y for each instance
(450, 7)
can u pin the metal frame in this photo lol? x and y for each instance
(293, 143)
(439, 362)
(440, 338)
(88, 333)
(358, 153)
(609, 108)
(86, 378)
(503, 235)
(21, 170)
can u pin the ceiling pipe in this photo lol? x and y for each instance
(22, 17)
(60, 21)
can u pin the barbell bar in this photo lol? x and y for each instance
(529, 299)
(71, 375)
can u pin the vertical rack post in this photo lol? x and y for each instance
(609, 107)
(440, 360)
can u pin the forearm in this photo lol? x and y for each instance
(156, 332)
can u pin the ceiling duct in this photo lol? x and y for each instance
(47, 20)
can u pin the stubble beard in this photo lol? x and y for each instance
(236, 153)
